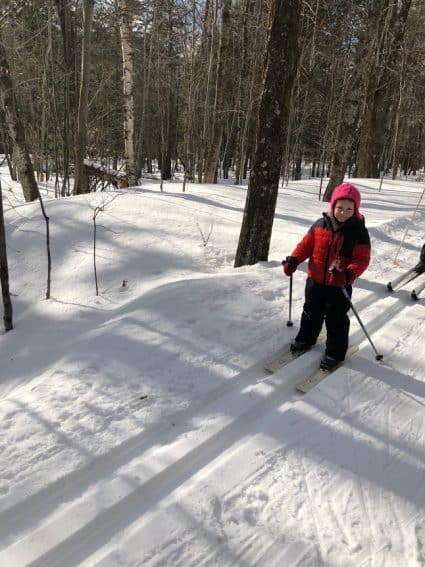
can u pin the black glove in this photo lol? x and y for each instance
(289, 265)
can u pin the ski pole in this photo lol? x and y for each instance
(289, 322)
(345, 292)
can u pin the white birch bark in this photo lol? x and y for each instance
(125, 17)
(81, 179)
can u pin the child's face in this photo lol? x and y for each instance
(344, 209)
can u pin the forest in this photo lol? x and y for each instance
(138, 422)
(103, 92)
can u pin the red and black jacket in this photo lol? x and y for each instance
(328, 242)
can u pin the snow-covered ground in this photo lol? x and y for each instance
(138, 427)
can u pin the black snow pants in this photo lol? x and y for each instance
(325, 303)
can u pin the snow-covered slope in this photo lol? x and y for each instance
(138, 427)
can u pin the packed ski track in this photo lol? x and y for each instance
(150, 433)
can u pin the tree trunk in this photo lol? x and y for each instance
(381, 91)
(358, 74)
(249, 84)
(207, 49)
(280, 70)
(16, 130)
(213, 153)
(8, 151)
(81, 182)
(168, 99)
(188, 140)
(348, 115)
(125, 25)
(396, 130)
(70, 82)
(4, 272)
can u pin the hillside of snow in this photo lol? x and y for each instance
(138, 427)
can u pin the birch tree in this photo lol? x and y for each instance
(125, 19)
(64, 9)
(81, 182)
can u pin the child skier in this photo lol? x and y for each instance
(338, 248)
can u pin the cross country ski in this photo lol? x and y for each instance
(319, 375)
(402, 280)
(282, 358)
(417, 292)
(285, 356)
(409, 276)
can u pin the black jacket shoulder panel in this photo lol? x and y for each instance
(318, 223)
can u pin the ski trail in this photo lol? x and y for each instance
(384, 549)
(353, 546)
(359, 488)
(141, 481)
(314, 520)
(66, 487)
(78, 513)
(247, 519)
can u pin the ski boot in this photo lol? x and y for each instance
(298, 347)
(328, 363)
(420, 268)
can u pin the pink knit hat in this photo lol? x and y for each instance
(346, 191)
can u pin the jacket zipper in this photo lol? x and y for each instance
(327, 261)
(334, 235)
